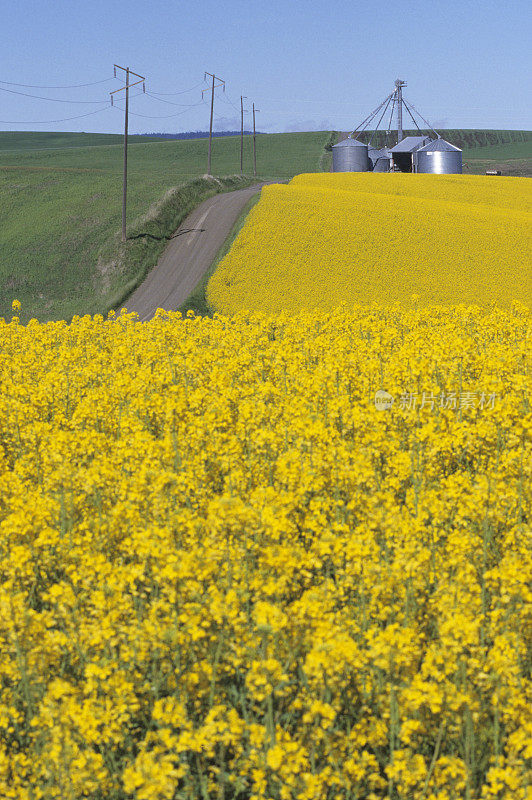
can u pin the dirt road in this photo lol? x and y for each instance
(189, 254)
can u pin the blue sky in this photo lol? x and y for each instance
(307, 65)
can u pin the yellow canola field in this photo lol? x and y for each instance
(327, 239)
(225, 573)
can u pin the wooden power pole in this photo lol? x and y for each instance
(255, 110)
(213, 87)
(126, 88)
(242, 98)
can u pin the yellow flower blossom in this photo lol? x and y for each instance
(332, 238)
(225, 571)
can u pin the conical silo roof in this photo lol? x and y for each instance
(438, 145)
(350, 143)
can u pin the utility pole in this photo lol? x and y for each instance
(126, 88)
(213, 87)
(242, 98)
(254, 144)
(399, 92)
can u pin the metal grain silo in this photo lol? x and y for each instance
(350, 155)
(380, 159)
(440, 157)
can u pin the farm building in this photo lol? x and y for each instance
(404, 154)
(421, 153)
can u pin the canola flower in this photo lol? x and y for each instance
(358, 238)
(225, 573)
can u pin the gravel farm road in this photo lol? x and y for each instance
(189, 254)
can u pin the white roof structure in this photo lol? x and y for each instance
(411, 143)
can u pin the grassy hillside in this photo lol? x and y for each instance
(31, 140)
(512, 158)
(279, 155)
(60, 208)
(510, 150)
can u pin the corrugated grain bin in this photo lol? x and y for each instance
(380, 159)
(350, 155)
(440, 157)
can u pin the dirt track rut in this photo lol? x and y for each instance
(189, 254)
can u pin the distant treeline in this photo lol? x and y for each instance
(196, 134)
(464, 139)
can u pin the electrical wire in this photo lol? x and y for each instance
(228, 100)
(184, 91)
(137, 94)
(50, 99)
(170, 102)
(148, 116)
(221, 118)
(74, 86)
(47, 121)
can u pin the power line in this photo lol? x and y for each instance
(168, 116)
(242, 98)
(74, 86)
(229, 102)
(50, 99)
(183, 91)
(170, 102)
(48, 121)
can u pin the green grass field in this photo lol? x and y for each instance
(510, 150)
(279, 155)
(512, 158)
(23, 140)
(60, 206)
